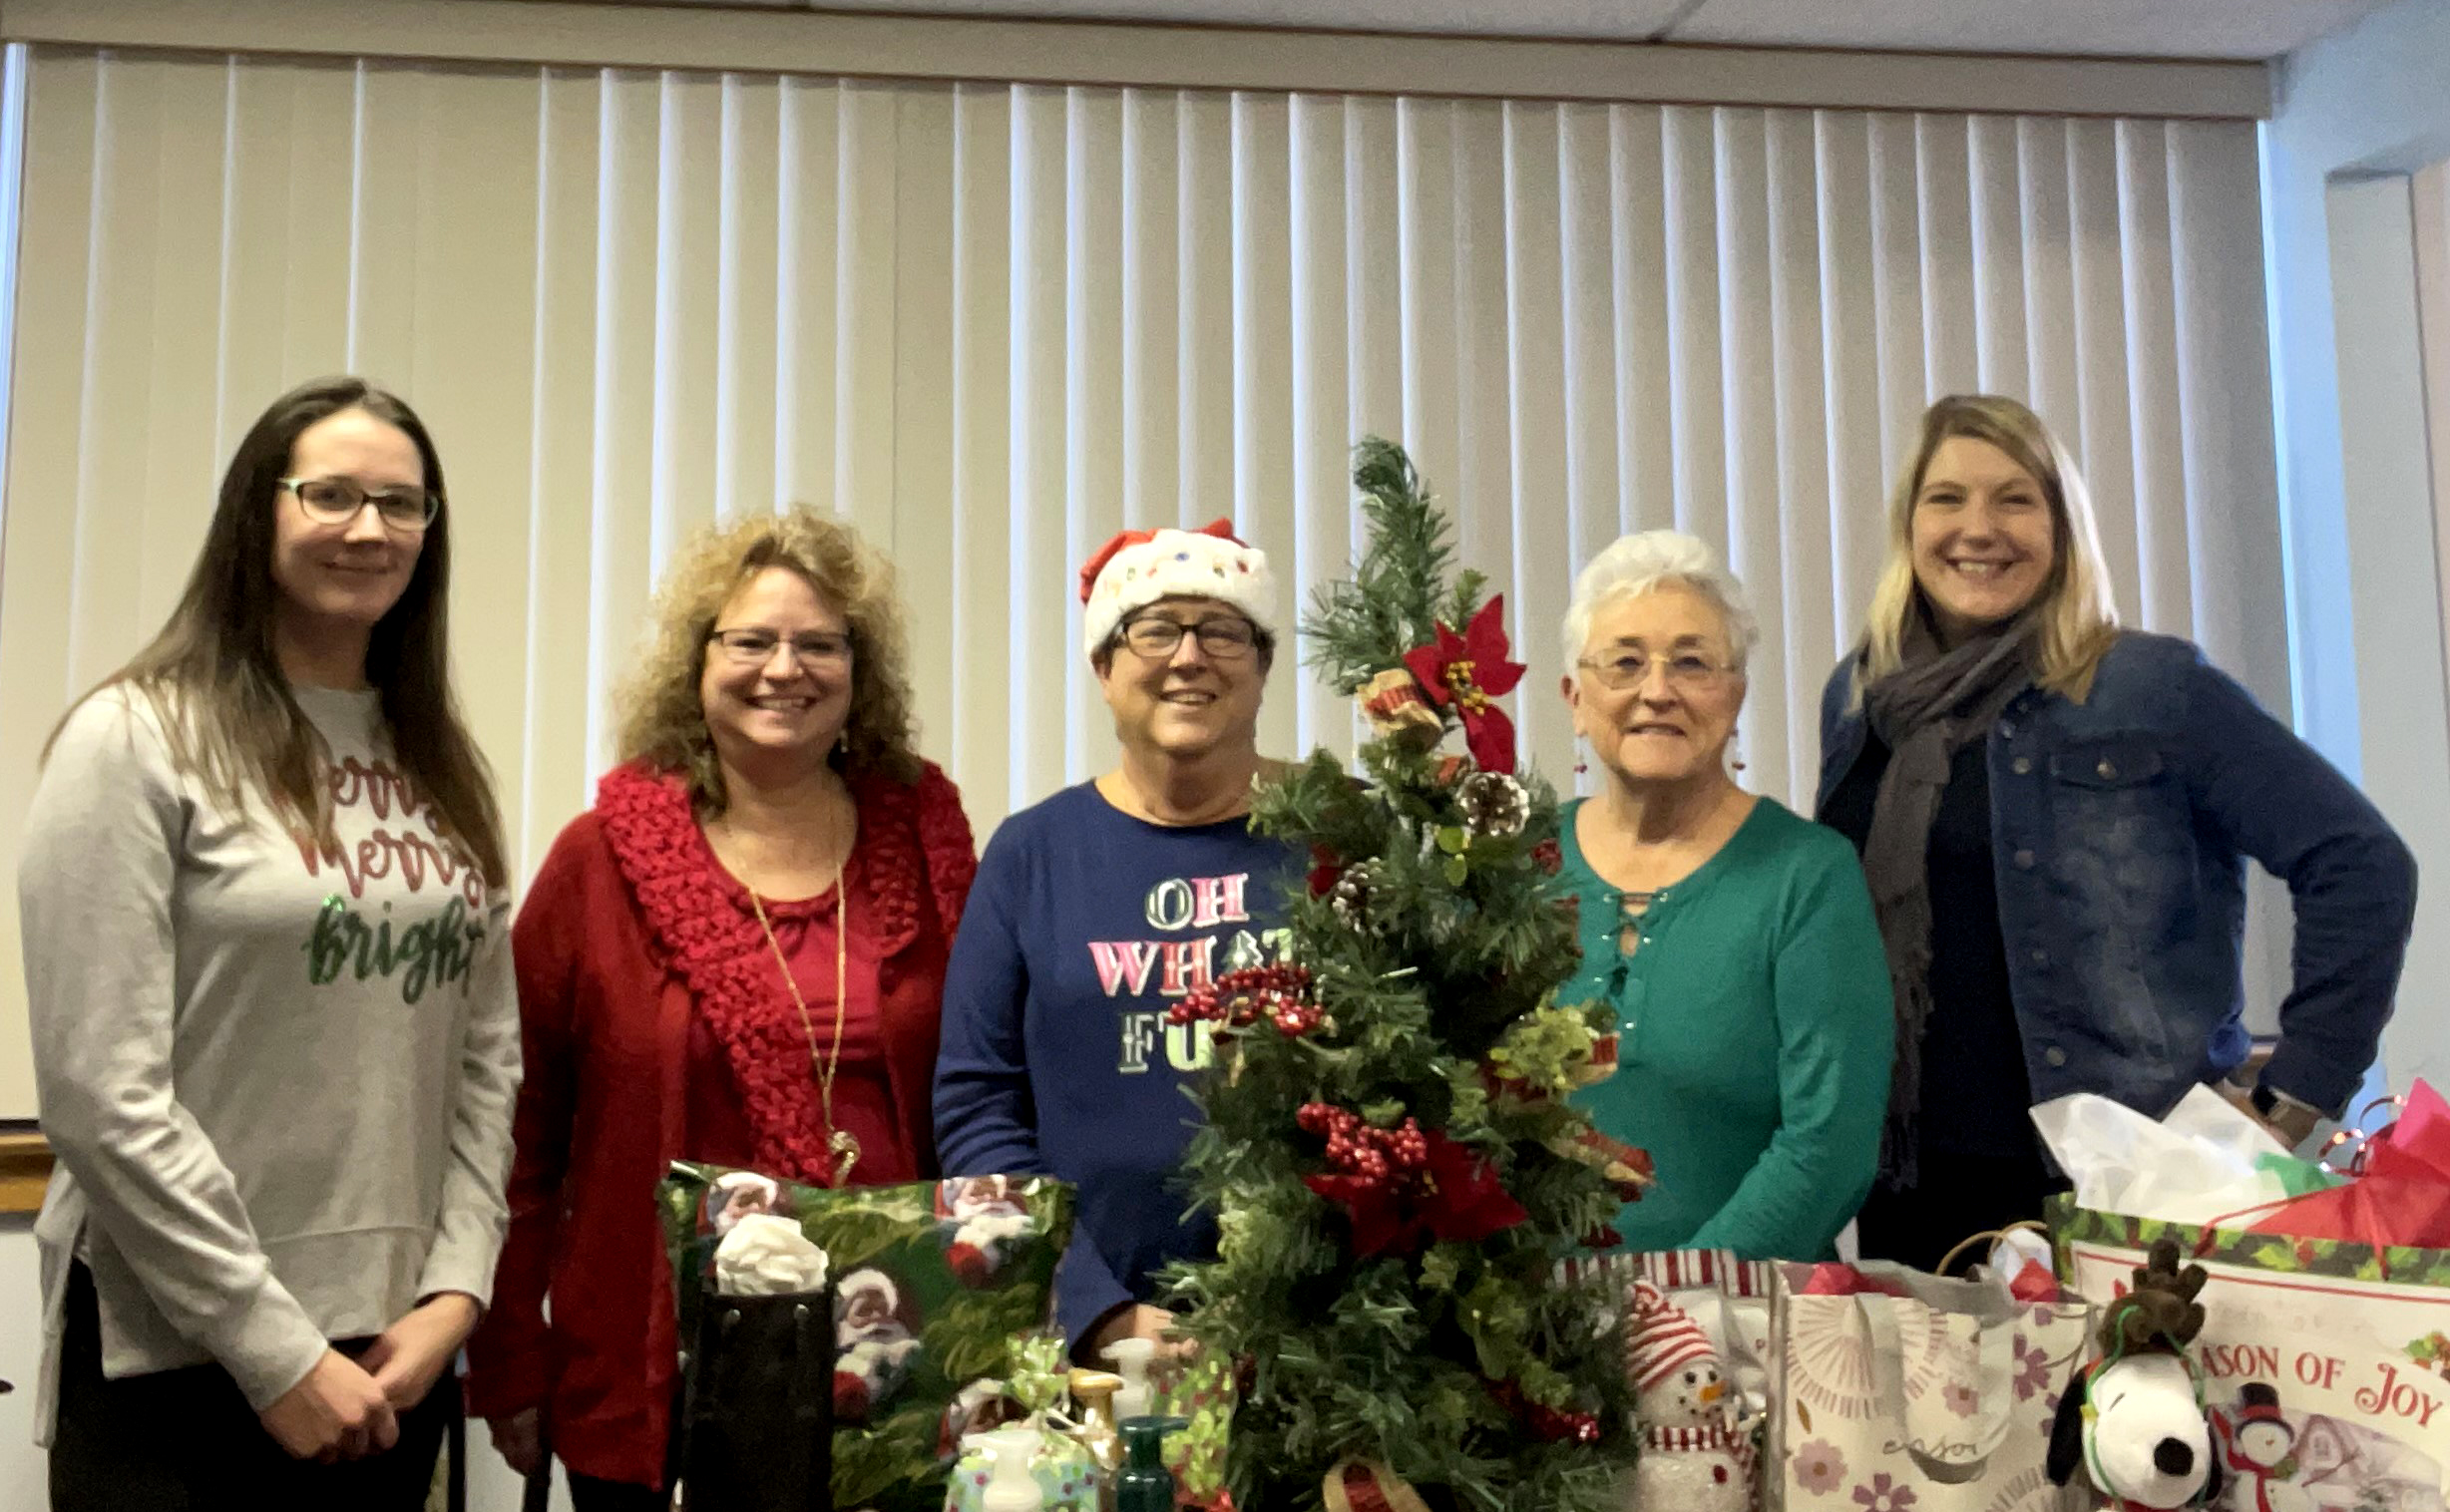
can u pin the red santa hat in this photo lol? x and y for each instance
(867, 1282)
(1139, 568)
(1661, 1338)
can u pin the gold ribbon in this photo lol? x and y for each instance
(1365, 1485)
(1602, 1063)
(1394, 706)
(1627, 1169)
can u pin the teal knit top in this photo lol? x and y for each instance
(1757, 1027)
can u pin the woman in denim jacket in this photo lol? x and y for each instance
(2053, 814)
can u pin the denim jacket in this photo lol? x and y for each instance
(2118, 825)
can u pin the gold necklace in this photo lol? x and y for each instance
(840, 1143)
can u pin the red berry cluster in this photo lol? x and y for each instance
(1546, 1422)
(1375, 1156)
(1550, 1424)
(1239, 999)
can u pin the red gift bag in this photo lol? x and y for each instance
(2403, 1197)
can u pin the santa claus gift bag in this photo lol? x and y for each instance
(930, 1282)
(2326, 1362)
(1894, 1390)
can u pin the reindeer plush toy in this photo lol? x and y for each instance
(2134, 1418)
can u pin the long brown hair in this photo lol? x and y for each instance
(216, 684)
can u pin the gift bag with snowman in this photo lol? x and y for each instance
(2325, 1363)
(2325, 1358)
(1696, 1328)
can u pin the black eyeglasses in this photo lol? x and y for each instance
(1227, 638)
(337, 501)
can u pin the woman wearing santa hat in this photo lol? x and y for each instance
(1096, 909)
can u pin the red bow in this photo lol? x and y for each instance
(1222, 527)
(1466, 671)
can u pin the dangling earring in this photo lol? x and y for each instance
(1582, 760)
(1734, 757)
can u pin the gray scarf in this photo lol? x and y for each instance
(1931, 708)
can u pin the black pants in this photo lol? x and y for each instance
(186, 1440)
(1954, 1198)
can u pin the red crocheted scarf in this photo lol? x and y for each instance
(912, 837)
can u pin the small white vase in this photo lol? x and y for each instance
(1012, 1485)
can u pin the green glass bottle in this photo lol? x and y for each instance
(1144, 1484)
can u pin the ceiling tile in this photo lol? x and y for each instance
(1611, 20)
(2137, 28)
(2111, 28)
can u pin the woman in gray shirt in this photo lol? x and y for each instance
(275, 1033)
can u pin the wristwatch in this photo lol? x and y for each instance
(2292, 1118)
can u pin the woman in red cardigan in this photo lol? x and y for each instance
(736, 957)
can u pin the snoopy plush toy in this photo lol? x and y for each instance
(2132, 1421)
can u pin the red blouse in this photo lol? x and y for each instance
(657, 1027)
(716, 1127)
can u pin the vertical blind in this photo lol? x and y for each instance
(991, 325)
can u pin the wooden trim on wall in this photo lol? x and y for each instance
(1147, 55)
(25, 1169)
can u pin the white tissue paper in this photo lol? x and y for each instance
(767, 1256)
(2205, 1161)
(2016, 1249)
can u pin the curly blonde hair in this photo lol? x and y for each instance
(662, 716)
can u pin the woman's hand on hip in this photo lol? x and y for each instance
(337, 1413)
(412, 1353)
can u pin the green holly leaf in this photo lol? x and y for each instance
(1452, 840)
(2276, 1257)
(1456, 869)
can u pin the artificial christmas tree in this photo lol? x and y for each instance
(1390, 1149)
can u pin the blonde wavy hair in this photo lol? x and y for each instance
(2078, 620)
(662, 716)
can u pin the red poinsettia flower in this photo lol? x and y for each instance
(1455, 1196)
(1467, 672)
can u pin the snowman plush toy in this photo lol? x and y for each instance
(1694, 1457)
(2133, 1421)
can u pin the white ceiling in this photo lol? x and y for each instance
(2129, 28)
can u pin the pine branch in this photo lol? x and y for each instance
(1394, 599)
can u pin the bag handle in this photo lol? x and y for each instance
(1948, 1261)
(1994, 1370)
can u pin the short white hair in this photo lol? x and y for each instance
(1646, 562)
